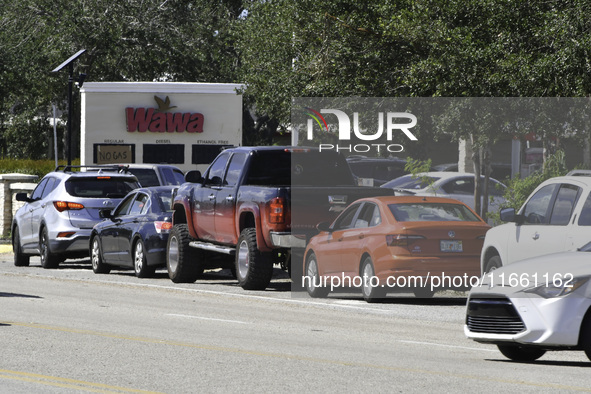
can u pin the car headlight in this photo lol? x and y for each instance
(558, 288)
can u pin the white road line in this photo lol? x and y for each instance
(448, 346)
(207, 318)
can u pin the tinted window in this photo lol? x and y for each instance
(346, 219)
(172, 176)
(235, 169)
(585, 218)
(100, 187)
(139, 204)
(38, 192)
(368, 217)
(432, 212)
(164, 200)
(537, 208)
(301, 167)
(563, 206)
(52, 183)
(459, 186)
(216, 171)
(146, 176)
(123, 207)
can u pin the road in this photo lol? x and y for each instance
(69, 330)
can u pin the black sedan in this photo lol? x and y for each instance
(134, 234)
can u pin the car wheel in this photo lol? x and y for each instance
(585, 336)
(313, 282)
(370, 292)
(521, 353)
(20, 259)
(96, 257)
(254, 268)
(48, 259)
(140, 262)
(184, 263)
(492, 264)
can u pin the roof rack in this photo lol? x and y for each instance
(96, 167)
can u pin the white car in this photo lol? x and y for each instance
(534, 305)
(556, 217)
(456, 185)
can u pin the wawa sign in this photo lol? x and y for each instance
(160, 120)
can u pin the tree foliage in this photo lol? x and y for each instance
(283, 49)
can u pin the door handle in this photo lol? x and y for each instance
(230, 198)
(212, 197)
(361, 236)
(536, 236)
(340, 239)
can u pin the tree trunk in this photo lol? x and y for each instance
(485, 191)
(476, 158)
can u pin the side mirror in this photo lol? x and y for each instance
(509, 215)
(323, 226)
(194, 176)
(105, 214)
(22, 197)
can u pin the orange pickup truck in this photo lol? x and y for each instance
(254, 207)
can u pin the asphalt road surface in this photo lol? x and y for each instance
(69, 330)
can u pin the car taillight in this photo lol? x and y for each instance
(401, 239)
(163, 227)
(65, 206)
(277, 210)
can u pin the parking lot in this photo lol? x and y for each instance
(70, 330)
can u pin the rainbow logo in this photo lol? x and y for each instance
(317, 117)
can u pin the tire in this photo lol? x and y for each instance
(254, 268)
(183, 262)
(20, 259)
(48, 259)
(585, 335)
(492, 264)
(521, 353)
(312, 278)
(140, 261)
(370, 293)
(96, 257)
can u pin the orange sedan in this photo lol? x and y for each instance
(405, 243)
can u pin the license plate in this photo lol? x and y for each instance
(451, 246)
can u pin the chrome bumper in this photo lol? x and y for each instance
(287, 240)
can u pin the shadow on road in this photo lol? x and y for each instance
(18, 295)
(572, 364)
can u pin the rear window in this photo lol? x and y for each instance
(411, 182)
(301, 168)
(164, 201)
(100, 187)
(146, 176)
(432, 212)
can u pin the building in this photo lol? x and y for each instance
(184, 124)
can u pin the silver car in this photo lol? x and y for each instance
(56, 220)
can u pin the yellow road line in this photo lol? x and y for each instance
(302, 358)
(5, 248)
(66, 383)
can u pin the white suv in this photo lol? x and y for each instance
(556, 217)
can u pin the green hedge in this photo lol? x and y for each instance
(33, 167)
